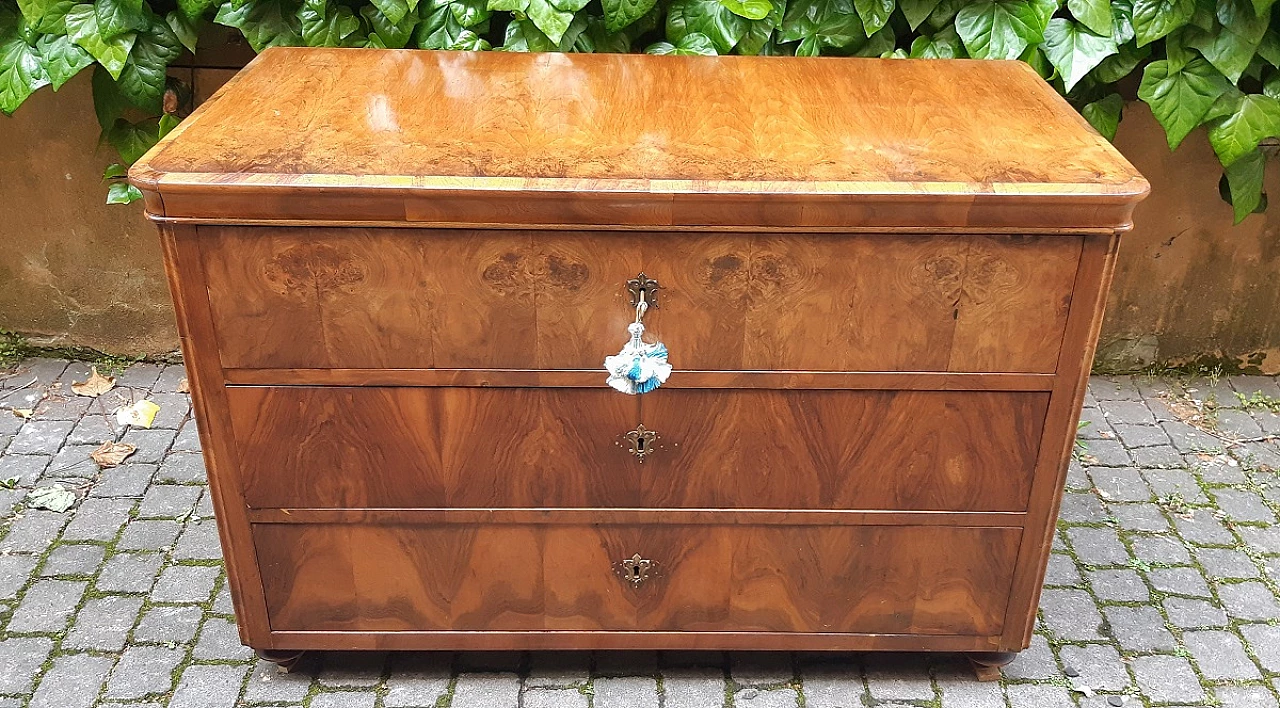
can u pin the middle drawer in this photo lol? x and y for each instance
(395, 447)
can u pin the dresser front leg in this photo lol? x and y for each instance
(285, 661)
(986, 665)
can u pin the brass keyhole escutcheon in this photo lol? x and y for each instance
(641, 441)
(643, 284)
(635, 569)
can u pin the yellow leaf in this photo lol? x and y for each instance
(110, 454)
(183, 386)
(140, 414)
(95, 385)
(24, 412)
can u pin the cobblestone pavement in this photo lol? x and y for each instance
(1162, 588)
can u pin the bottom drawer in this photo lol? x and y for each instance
(506, 577)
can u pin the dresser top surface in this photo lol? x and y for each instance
(298, 119)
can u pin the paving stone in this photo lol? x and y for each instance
(169, 501)
(556, 698)
(1082, 509)
(182, 467)
(166, 623)
(1175, 482)
(93, 430)
(143, 671)
(1062, 571)
(344, 699)
(1264, 539)
(1264, 640)
(766, 698)
(129, 572)
(188, 439)
(1107, 453)
(185, 583)
(1238, 423)
(40, 437)
(34, 532)
(220, 640)
(824, 686)
(1097, 546)
(698, 687)
(1070, 614)
(1139, 628)
(418, 679)
(961, 691)
(199, 541)
(898, 676)
(1249, 601)
(1240, 505)
(174, 409)
(126, 481)
(1166, 679)
(1121, 585)
(1187, 438)
(97, 520)
(1094, 423)
(1194, 614)
(149, 535)
(1099, 666)
(1220, 655)
(213, 686)
(1200, 527)
(267, 685)
(103, 623)
(20, 661)
(1139, 517)
(1160, 549)
(1226, 563)
(222, 603)
(1034, 662)
(1245, 697)
(761, 668)
(1137, 436)
(558, 669)
(1131, 411)
(141, 375)
(1077, 479)
(71, 559)
(47, 606)
(73, 681)
(170, 379)
(1114, 388)
(1120, 484)
(9, 499)
(497, 691)
(1179, 581)
(1036, 696)
(621, 692)
(1158, 456)
(352, 669)
(15, 571)
(151, 444)
(71, 463)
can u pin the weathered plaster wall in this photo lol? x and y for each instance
(74, 271)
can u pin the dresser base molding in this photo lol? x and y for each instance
(285, 661)
(986, 665)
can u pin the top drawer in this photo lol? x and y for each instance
(318, 298)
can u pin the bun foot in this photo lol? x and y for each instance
(285, 661)
(986, 665)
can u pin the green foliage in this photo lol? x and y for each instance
(1203, 63)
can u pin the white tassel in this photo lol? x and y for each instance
(640, 367)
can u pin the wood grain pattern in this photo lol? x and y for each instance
(458, 447)
(354, 298)
(894, 580)
(658, 140)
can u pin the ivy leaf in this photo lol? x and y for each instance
(522, 36)
(706, 17)
(327, 24)
(184, 29)
(621, 13)
(1120, 64)
(1269, 47)
(830, 23)
(21, 72)
(264, 23)
(552, 21)
(394, 10)
(1000, 29)
(391, 35)
(142, 80)
(1243, 181)
(692, 44)
(1271, 87)
(1153, 19)
(1094, 14)
(1180, 98)
(1229, 52)
(945, 13)
(469, 13)
(750, 9)
(133, 140)
(46, 16)
(122, 193)
(1074, 51)
(108, 104)
(439, 29)
(115, 171)
(62, 58)
(567, 5)
(1104, 114)
(195, 9)
(598, 39)
(82, 26)
(878, 44)
(115, 17)
(1122, 21)
(1262, 8)
(943, 44)
(1254, 118)
(873, 13)
(759, 32)
(916, 11)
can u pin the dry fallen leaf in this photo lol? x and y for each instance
(95, 385)
(24, 412)
(141, 414)
(183, 386)
(110, 454)
(54, 497)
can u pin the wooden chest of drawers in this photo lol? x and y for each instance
(397, 275)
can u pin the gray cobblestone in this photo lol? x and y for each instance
(27, 468)
(1097, 546)
(1194, 614)
(1035, 696)
(170, 380)
(93, 430)
(168, 501)
(1264, 539)
(1120, 484)
(699, 687)
(126, 481)
(1120, 585)
(47, 606)
(149, 535)
(352, 669)
(898, 677)
(20, 660)
(72, 559)
(267, 685)
(1179, 581)
(34, 532)
(140, 376)
(1264, 639)
(1139, 628)
(219, 640)
(104, 623)
(493, 691)
(624, 692)
(1034, 662)
(199, 541)
(151, 444)
(1061, 571)
(72, 682)
(1166, 679)
(185, 583)
(1245, 697)
(40, 437)
(1220, 655)
(188, 439)
(182, 468)
(1249, 601)
(143, 671)
(1171, 482)
(72, 462)
(1161, 549)
(1099, 666)
(1202, 528)
(98, 520)
(1226, 563)
(761, 668)
(15, 571)
(1240, 505)
(541, 697)
(165, 623)
(766, 698)
(212, 686)
(1158, 456)
(129, 572)
(1082, 509)
(1139, 517)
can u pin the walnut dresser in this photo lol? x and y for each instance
(397, 275)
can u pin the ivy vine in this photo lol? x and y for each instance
(1202, 62)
